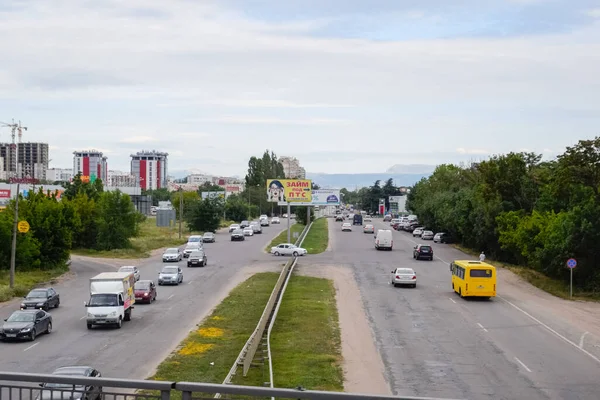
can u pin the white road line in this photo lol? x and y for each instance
(82, 317)
(581, 340)
(593, 357)
(31, 347)
(170, 297)
(522, 364)
(481, 326)
(190, 282)
(452, 300)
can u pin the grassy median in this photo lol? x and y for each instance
(305, 341)
(26, 280)
(317, 239)
(209, 351)
(282, 237)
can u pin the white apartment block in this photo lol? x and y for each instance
(292, 168)
(199, 179)
(121, 179)
(59, 174)
(3, 174)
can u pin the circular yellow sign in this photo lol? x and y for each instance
(23, 226)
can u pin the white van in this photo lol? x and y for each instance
(384, 240)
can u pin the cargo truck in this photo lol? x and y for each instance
(111, 299)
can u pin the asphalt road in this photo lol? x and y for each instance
(154, 331)
(433, 343)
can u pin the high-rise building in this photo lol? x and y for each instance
(90, 163)
(29, 161)
(292, 168)
(59, 174)
(3, 175)
(151, 168)
(121, 179)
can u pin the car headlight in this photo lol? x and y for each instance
(25, 329)
(145, 294)
(90, 315)
(113, 314)
(23, 306)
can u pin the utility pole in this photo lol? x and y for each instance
(180, 212)
(13, 250)
(249, 205)
(289, 218)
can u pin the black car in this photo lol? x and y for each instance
(65, 391)
(26, 324)
(43, 299)
(423, 251)
(197, 259)
(237, 234)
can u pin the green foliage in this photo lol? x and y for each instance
(205, 215)
(162, 194)
(367, 198)
(189, 200)
(301, 215)
(92, 190)
(521, 210)
(237, 209)
(118, 223)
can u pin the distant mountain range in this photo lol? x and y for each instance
(357, 181)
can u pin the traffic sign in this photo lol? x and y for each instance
(23, 226)
(571, 263)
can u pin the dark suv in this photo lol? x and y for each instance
(423, 251)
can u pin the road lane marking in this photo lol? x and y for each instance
(83, 317)
(481, 326)
(170, 297)
(522, 364)
(581, 340)
(31, 347)
(190, 282)
(593, 357)
(452, 300)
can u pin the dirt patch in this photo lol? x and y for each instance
(363, 367)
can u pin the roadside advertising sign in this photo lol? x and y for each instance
(289, 190)
(321, 197)
(213, 195)
(4, 193)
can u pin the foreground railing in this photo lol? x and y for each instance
(21, 386)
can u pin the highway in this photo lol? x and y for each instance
(433, 343)
(155, 330)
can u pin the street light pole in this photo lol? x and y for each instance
(180, 211)
(13, 250)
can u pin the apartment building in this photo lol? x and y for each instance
(90, 163)
(24, 160)
(59, 174)
(292, 168)
(151, 168)
(121, 179)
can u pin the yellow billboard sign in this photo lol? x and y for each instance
(289, 190)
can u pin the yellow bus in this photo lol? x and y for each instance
(473, 278)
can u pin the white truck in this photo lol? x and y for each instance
(111, 299)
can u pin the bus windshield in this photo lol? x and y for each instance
(480, 273)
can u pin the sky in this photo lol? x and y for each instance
(346, 86)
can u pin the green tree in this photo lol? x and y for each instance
(92, 190)
(28, 248)
(189, 201)
(117, 222)
(161, 194)
(205, 215)
(301, 214)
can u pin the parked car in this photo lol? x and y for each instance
(43, 299)
(427, 235)
(63, 391)
(144, 291)
(404, 276)
(442, 237)
(197, 259)
(346, 226)
(417, 232)
(237, 234)
(288, 249)
(208, 237)
(423, 251)
(172, 254)
(26, 324)
(368, 229)
(131, 269)
(170, 275)
(233, 227)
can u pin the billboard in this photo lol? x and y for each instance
(289, 190)
(213, 195)
(4, 193)
(395, 199)
(322, 197)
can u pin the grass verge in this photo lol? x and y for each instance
(151, 237)
(209, 351)
(553, 286)
(282, 237)
(305, 341)
(317, 239)
(25, 281)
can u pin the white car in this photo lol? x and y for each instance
(233, 227)
(418, 232)
(130, 268)
(404, 276)
(347, 226)
(288, 249)
(427, 235)
(368, 218)
(248, 231)
(275, 220)
(172, 254)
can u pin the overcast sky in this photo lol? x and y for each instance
(347, 86)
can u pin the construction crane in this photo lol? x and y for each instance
(14, 128)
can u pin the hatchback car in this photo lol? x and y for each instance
(58, 391)
(170, 276)
(131, 269)
(209, 237)
(369, 229)
(144, 291)
(427, 235)
(404, 277)
(26, 324)
(42, 299)
(197, 259)
(346, 227)
(423, 251)
(172, 254)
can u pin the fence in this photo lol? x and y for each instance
(21, 386)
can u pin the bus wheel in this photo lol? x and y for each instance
(460, 292)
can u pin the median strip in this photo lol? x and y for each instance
(317, 239)
(282, 237)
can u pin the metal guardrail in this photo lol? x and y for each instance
(21, 386)
(246, 355)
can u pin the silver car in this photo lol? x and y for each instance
(417, 232)
(233, 227)
(172, 254)
(170, 275)
(427, 235)
(135, 270)
(191, 247)
(404, 277)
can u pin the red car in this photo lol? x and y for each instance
(145, 292)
